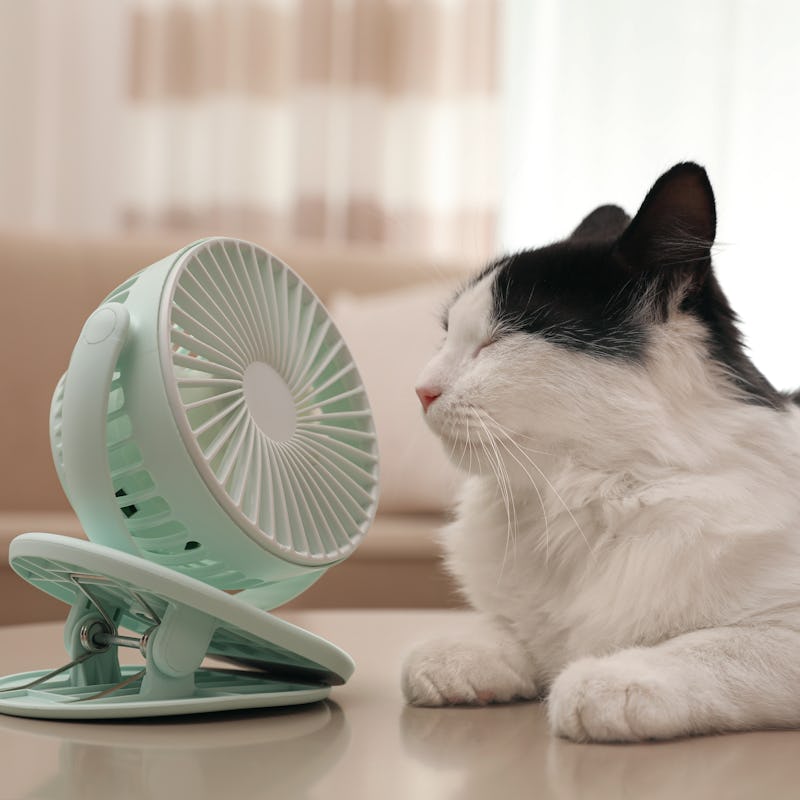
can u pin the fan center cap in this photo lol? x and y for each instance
(269, 401)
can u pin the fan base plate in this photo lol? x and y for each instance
(215, 691)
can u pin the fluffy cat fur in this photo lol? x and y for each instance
(628, 529)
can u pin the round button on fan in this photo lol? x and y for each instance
(100, 325)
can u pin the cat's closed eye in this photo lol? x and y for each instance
(481, 347)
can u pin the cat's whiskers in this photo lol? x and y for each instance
(535, 488)
(454, 441)
(509, 432)
(467, 447)
(470, 446)
(457, 433)
(504, 485)
(502, 468)
(544, 477)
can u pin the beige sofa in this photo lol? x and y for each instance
(50, 285)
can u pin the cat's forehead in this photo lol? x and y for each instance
(472, 308)
(574, 295)
(563, 268)
(525, 280)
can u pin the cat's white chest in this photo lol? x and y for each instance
(576, 585)
(511, 564)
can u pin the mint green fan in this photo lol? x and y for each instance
(215, 440)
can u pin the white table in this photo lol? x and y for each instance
(365, 743)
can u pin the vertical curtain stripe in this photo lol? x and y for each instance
(339, 120)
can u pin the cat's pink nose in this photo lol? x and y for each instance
(426, 396)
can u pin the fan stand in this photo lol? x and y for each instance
(176, 622)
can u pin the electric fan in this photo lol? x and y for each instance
(215, 440)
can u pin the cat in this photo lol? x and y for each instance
(628, 529)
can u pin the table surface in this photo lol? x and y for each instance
(364, 742)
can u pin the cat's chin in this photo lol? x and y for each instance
(459, 452)
(471, 457)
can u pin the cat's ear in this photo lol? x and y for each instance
(604, 223)
(675, 227)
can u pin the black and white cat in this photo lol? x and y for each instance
(630, 526)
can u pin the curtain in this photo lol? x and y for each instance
(365, 120)
(62, 72)
(369, 121)
(600, 97)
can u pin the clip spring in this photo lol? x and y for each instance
(98, 636)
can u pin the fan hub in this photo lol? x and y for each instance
(269, 401)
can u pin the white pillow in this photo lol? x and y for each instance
(391, 337)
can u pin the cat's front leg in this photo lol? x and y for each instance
(489, 665)
(707, 681)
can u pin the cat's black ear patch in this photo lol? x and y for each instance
(676, 225)
(603, 224)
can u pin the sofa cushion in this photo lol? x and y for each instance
(391, 335)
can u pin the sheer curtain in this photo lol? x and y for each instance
(600, 97)
(337, 120)
(62, 73)
(367, 120)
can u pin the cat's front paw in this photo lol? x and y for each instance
(456, 672)
(615, 699)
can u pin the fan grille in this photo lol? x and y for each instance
(294, 461)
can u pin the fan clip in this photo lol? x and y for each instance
(173, 648)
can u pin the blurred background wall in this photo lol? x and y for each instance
(449, 127)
